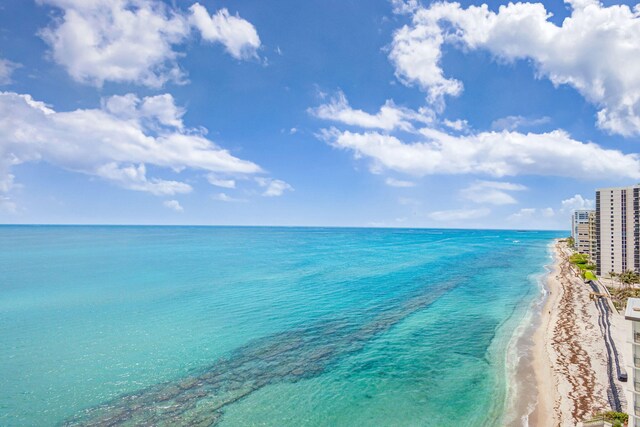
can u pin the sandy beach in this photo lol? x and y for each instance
(570, 355)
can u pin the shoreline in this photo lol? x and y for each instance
(522, 388)
(567, 370)
(544, 412)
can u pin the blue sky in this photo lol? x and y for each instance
(333, 113)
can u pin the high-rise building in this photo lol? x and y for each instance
(617, 230)
(593, 243)
(581, 231)
(632, 313)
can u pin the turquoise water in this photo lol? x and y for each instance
(260, 326)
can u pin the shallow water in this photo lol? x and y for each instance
(260, 326)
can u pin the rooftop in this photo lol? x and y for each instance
(618, 188)
(633, 309)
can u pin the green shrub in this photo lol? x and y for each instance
(588, 275)
(616, 418)
(579, 259)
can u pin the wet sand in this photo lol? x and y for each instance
(569, 354)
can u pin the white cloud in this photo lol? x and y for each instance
(6, 69)
(458, 125)
(238, 36)
(154, 111)
(273, 187)
(416, 55)
(528, 214)
(218, 182)
(115, 142)
(459, 214)
(515, 122)
(596, 51)
(392, 182)
(547, 212)
(556, 217)
(163, 109)
(523, 213)
(135, 178)
(390, 116)
(133, 41)
(577, 202)
(495, 154)
(223, 197)
(491, 192)
(122, 41)
(402, 7)
(173, 204)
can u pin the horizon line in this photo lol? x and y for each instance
(271, 226)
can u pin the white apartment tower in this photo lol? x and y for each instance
(582, 222)
(593, 243)
(632, 313)
(617, 230)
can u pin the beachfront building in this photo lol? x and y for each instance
(582, 222)
(632, 314)
(593, 246)
(617, 230)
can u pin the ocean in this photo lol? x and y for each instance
(268, 326)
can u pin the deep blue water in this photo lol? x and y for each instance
(260, 326)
